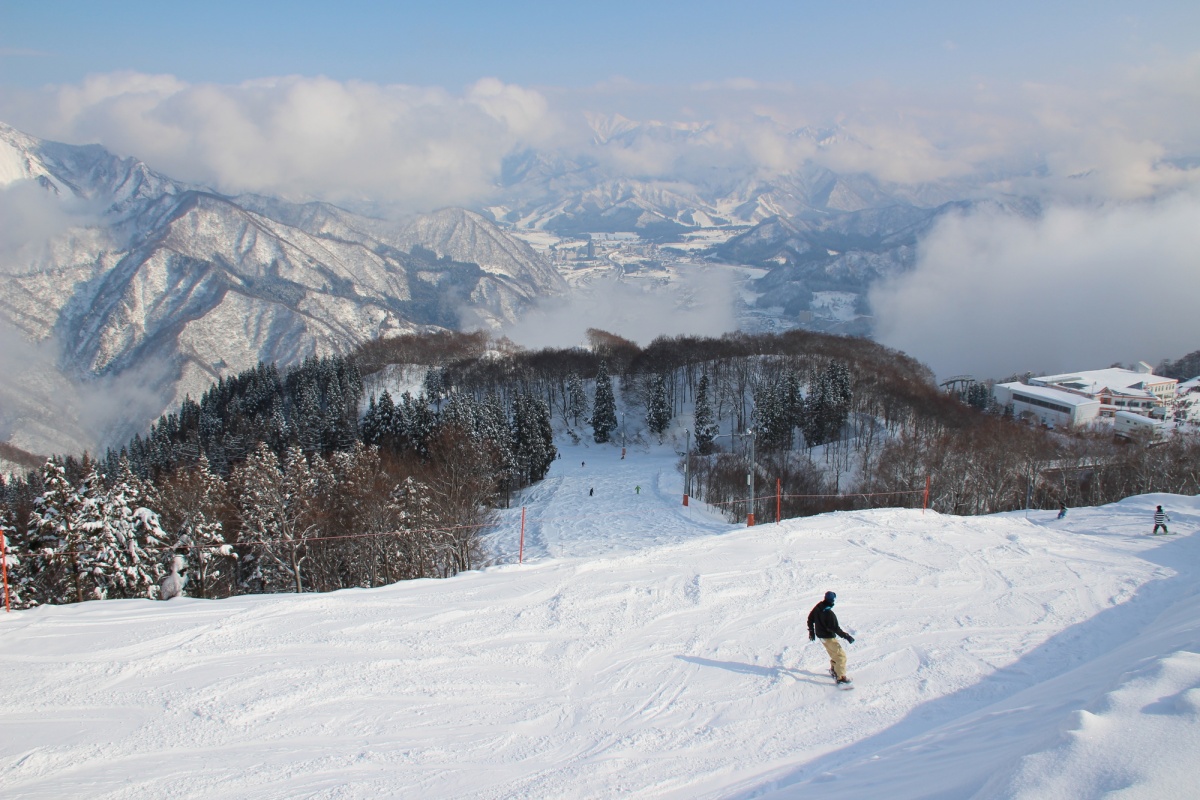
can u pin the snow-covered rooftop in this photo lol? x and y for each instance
(1115, 378)
(1050, 393)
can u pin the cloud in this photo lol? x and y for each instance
(301, 137)
(30, 217)
(1113, 136)
(700, 304)
(1078, 288)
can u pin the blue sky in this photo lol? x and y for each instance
(452, 44)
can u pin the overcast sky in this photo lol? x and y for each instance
(1096, 104)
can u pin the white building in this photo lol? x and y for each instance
(1138, 427)
(1117, 389)
(1055, 407)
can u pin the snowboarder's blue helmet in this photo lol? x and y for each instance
(830, 597)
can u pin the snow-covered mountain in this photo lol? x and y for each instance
(812, 229)
(150, 280)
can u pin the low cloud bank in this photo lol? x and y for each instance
(296, 137)
(699, 305)
(1077, 288)
(414, 148)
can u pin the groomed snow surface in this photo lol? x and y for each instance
(645, 649)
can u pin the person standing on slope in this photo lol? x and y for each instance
(1160, 520)
(823, 625)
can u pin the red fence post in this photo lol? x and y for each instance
(778, 502)
(521, 553)
(4, 569)
(925, 502)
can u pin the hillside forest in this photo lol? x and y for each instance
(389, 463)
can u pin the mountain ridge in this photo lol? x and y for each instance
(180, 285)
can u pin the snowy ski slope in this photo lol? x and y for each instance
(647, 650)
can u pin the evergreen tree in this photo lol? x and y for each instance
(434, 386)
(658, 411)
(978, 396)
(193, 503)
(827, 406)
(533, 438)
(772, 422)
(577, 405)
(604, 407)
(706, 429)
(127, 549)
(266, 511)
(63, 526)
(16, 562)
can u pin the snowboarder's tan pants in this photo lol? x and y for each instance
(837, 656)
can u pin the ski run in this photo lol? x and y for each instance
(652, 650)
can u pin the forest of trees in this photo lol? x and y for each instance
(298, 480)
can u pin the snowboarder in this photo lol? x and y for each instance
(637, 490)
(823, 625)
(1062, 512)
(591, 491)
(1160, 520)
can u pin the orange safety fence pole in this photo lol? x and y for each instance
(778, 501)
(4, 569)
(925, 502)
(521, 552)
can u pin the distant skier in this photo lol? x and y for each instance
(591, 491)
(637, 490)
(823, 625)
(1160, 520)
(1062, 512)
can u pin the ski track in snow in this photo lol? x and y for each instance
(643, 649)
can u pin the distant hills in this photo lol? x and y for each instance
(169, 286)
(146, 289)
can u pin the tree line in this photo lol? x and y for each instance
(299, 480)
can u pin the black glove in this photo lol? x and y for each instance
(849, 639)
(812, 637)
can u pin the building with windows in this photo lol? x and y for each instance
(1138, 390)
(1048, 405)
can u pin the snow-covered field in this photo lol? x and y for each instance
(645, 649)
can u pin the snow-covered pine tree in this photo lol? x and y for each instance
(416, 423)
(63, 524)
(577, 405)
(772, 423)
(418, 542)
(827, 406)
(193, 501)
(368, 428)
(434, 386)
(494, 429)
(706, 428)
(604, 407)
(532, 437)
(658, 410)
(128, 548)
(16, 562)
(262, 506)
(461, 412)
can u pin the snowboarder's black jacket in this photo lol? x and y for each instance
(823, 623)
